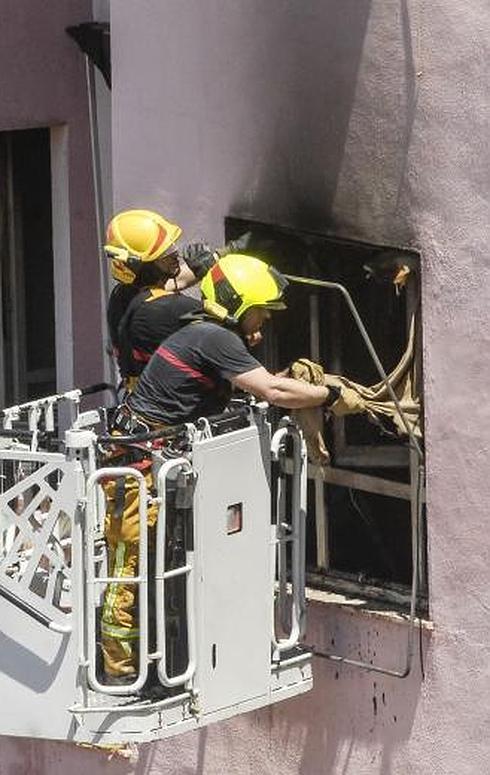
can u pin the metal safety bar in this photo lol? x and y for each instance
(279, 548)
(39, 407)
(22, 605)
(293, 533)
(33, 565)
(161, 576)
(92, 581)
(44, 407)
(134, 707)
(417, 475)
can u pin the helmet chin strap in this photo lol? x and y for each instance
(217, 311)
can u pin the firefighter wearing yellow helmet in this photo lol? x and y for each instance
(192, 374)
(136, 238)
(146, 304)
(238, 282)
(145, 307)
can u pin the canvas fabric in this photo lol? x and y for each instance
(373, 400)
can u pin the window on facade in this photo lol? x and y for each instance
(27, 329)
(359, 526)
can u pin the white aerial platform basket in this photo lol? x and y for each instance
(219, 593)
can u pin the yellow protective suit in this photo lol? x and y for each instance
(119, 626)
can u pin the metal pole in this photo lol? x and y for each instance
(108, 367)
(321, 515)
(416, 523)
(416, 481)
(367, 340)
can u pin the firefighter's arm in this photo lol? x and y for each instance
(281, 391)
(185, 279)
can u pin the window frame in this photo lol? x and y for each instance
(350, 456)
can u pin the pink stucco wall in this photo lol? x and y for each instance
(369, 119)
(42, 83)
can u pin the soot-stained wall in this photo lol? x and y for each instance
(368, 120)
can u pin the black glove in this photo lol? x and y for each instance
(199, 258)
(236, 245)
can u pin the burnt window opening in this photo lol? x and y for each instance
(359, 519)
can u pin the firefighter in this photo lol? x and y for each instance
(192, 374)
(146, 306)
(143, 310)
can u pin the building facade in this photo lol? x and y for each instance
(362, 120)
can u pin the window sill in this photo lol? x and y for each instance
(364, 607)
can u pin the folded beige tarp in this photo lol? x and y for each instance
(374, 400)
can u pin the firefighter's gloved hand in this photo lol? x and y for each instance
(349, 401)
(199, 258)
(308, 371)
(236, 245)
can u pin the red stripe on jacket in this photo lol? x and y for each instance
(140, 356)
(184, 367)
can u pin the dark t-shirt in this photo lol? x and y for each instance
(158, 314)
(189, 375)
(151, 316)
(119, 300)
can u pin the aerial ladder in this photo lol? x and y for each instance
(221, 605)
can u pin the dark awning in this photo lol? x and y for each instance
(94, 40)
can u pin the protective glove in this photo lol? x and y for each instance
(308, 371)
(199, 258)
(349, 401)
(235, 245)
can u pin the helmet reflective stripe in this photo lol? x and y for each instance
(224, 290)
(239, 282)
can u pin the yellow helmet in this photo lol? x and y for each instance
(238, 282)
(135, 237)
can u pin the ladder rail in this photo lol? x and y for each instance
(161, 575)
(278, 547)
(297, 538)
(92, 581)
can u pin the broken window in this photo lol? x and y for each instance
(359, 506)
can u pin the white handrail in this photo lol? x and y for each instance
(161, 575)
(296, 537)
(92, 581)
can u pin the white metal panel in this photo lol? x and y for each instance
(234, 596)
(43, 673)
(38, 673)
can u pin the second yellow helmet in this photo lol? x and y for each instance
(239, 282)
